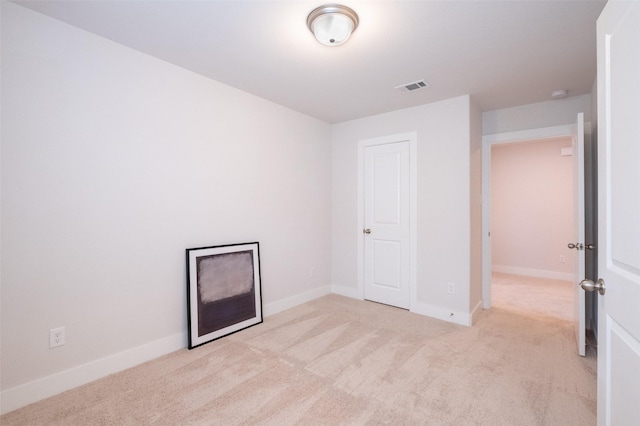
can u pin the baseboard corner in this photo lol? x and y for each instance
(475, 312)
(345, 291)
(441, 313)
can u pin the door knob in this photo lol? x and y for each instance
(366, 231)
(590, 247)
(589, 285)
(577, 246)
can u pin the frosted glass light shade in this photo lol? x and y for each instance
(332, 24)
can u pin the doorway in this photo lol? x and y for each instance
(584, 213)
(488, 142)
(532, 220)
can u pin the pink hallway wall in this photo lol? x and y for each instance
(532, 208)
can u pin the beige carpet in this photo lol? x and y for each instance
(342, 361)
(533, 296)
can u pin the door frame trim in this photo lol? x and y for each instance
(412, 138)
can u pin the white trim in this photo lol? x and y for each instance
(48, 386)
(487, 142)
(345, 291)
(54, 384)
(412, 138)
(532, 134)
(293, 301)
(537, 273)
(475, 312)
(486, 223)
(438, 312)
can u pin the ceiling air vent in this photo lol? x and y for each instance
(413, 86)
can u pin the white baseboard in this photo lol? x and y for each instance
(298, 299)
(438, 312)
(342, 290)
(456, 317)
(537, 273)
(475, 312)
(28, 393)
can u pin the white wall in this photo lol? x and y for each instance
(535, 116)
(444, 218)
(532, 214)
(113, 163)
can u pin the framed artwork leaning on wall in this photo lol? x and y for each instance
(223, 291)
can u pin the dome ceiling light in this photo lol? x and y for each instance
(559, 94)
(332, 24)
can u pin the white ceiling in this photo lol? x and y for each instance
(503, 53)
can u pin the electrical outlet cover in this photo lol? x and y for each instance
(56, 337)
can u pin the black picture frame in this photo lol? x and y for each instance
(224, 292)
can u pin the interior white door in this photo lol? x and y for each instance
(578, 207)
(386, 224)
(619, 213)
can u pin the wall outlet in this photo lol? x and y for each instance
(56, 337)
(562, 259)
(451, 288)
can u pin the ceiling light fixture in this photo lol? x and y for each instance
(332, 24)
(559, 94)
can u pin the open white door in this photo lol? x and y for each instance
(578, 208)
(619, 214)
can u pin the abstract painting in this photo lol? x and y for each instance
(223, 291)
